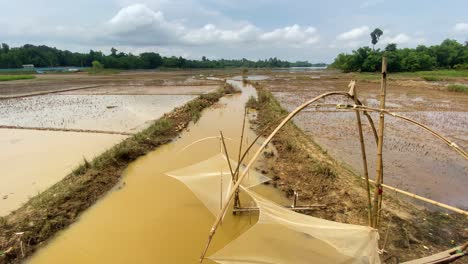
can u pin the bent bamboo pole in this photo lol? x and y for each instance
(427, 200)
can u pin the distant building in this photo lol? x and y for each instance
(28, 66)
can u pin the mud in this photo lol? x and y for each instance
(413, 159)
(148, 90)
(120, 113)
(58, 82)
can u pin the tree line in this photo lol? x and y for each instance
(44, 56)
(450, 54)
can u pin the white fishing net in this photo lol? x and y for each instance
(210, 180)
(280, 235)
(284, 236)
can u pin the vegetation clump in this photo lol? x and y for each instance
(432, 78)
(5, 78)
(461, 88)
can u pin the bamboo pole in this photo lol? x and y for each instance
(236, 174)
(424, 199)
(379, 166)
(353, 92)
(226, 152)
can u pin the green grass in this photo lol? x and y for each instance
(102, 71)
(367, 76)
(5, 78)
(432, 76)
(461, 88)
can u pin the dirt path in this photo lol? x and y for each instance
(68, 130)
(47, 92)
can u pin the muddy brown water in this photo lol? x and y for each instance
(151, 217)
(31, 161)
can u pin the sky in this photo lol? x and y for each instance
(257, 29)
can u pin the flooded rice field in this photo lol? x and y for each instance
(140, 222)
(148, 90)
(413, 159)
(120, 113)
(32, 161)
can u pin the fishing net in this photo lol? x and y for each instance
(210, 180)
(284, 236)
(280, 235)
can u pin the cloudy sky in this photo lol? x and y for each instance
(255, 29)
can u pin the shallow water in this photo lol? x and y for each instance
(120, 113)
(414, 160)
(154, 218)
(31, 161)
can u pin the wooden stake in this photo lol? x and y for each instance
(353, 93)
(379, 166)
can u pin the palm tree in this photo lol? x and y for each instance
(375, 35)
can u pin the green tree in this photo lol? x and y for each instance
(113, 52)
(5, 48)
(391, 47)
(375, 36)
(96, 65)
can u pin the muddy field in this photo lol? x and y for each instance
(82, 116)
(413, 159)
(130, 80)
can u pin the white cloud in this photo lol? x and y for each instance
(403, 39)
(461, 28)
(212, 34)
(295, 35)
(139, 25)
(397, 39)
(370, 3)
(354, 33)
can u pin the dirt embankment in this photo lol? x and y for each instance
(301, 165)
(24, 230)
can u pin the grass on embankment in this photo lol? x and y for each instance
(461, 88)
(103, 71)
(301, 165)
(5, 78)
(59, 206)
(431, 76)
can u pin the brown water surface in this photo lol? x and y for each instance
(31, 161)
